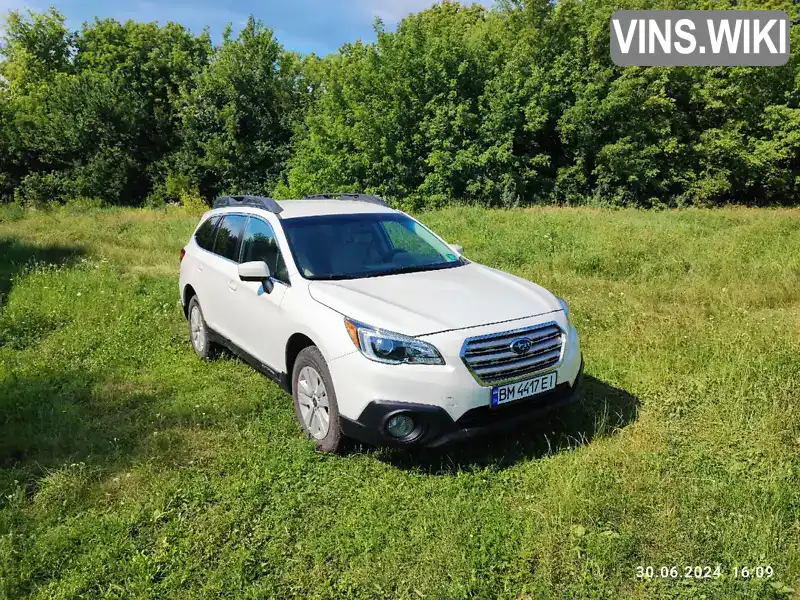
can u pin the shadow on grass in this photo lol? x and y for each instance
(598, 410)
(17, 254)
(58, 418)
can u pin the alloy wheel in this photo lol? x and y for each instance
(197, 329)
(312, 398)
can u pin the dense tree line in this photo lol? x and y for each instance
(516, 105)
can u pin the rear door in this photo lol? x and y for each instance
(261, 330)
(193, 265)
(222, 276)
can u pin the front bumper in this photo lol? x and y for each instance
(436, 428)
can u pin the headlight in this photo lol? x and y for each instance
(391, 348)
(565, 308)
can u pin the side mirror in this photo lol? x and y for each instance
(256, 270)
(457, 249)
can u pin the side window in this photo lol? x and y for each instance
(229, 235)
(205, 233)
(260, 244)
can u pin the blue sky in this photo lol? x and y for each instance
(319, 26)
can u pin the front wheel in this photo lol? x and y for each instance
(315, 400)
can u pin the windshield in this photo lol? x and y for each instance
(364, 245)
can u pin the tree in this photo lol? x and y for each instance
(402, 117)
(239, 113)
(520, 104)
(35, 47)
(92, 113)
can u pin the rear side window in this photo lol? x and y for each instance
(205, 233)
(229, 236)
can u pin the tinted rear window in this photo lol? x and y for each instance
(229, 236)
(205, 233)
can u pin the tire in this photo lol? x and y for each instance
(316, 407)
(198, 332)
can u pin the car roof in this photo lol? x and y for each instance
(312, 207)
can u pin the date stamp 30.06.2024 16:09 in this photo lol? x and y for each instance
(644, 572)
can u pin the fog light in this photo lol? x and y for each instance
(400, 426)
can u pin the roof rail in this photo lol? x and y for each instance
(348, 196)
(262, 202)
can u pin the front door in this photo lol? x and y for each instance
(260, 326)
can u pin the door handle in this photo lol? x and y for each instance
(232, 286)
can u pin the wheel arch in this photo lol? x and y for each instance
(188, 294)
(296, 343)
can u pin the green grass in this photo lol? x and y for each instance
(129, 468)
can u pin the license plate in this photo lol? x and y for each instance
(523, 389)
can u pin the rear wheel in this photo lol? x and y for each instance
(315, 400)
(198, 331)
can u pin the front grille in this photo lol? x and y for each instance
(491, 359)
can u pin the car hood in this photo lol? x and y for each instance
(435, 301)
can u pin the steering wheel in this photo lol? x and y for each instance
(394, 252)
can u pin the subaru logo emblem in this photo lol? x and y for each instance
(521, 345)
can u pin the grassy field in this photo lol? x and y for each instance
(129, 468)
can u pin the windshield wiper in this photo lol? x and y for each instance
(414, 269)
(333, 277)
(395, 271)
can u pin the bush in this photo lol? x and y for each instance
(13, 211)
(107, 175)
(193, 203)
(178, 188)
(84, 204)
(37, 190)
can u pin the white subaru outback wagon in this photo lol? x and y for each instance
(379, 329)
